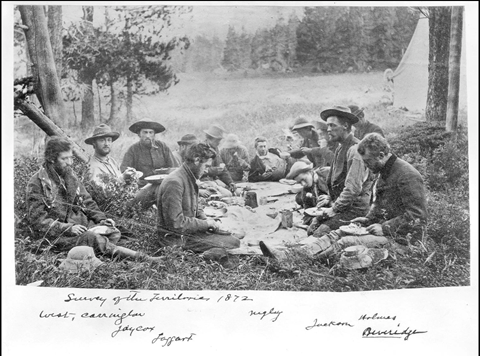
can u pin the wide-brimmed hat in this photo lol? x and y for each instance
(100, 131)
(146, 124)
(342, 111)
(80, 258)
(299, 167)
(215, 131)
(231, 141)
(356, 257)
(357, 111)
(301, 122)
(320, 125)
(188, 139)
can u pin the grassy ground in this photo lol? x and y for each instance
(251, 107)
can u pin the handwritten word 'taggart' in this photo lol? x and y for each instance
(395, 334)
(316, 324)
(167, 340)
(265, 313)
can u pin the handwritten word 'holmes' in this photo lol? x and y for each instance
(72, 298)
(316, 324)
(119, 317)
(131, 329)
(372, 333)
(377, 317)
(265, 313)
(168, 340)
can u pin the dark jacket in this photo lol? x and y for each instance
(177, 203)
(400, 204)
(323, 156)
(146, 159)
(49, 212)
(349, 181)
(361, 130)
(236, 165)
(214, 172)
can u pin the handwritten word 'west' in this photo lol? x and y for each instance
(316, 324)
(265, 313)
(72, 298)
(370, 333)
(169, 339)
(377, 317)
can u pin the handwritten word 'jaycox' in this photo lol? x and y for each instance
(396, 334)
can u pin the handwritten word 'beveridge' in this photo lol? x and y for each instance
(377, 317)
(316, 324)
(370, 333)
(169, 339)
(265, 313)
(72, 298)
(119, 317)
(131, 329)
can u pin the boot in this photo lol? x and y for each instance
(272, 252)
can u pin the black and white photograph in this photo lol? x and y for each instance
(270, 176)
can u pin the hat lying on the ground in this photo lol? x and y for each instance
(80, 258)
(101, 131)
(299, 167)
(356, 257)
(146, 124)
(341, 111)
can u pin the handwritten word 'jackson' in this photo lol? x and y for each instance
(316, 324)
(168, 340)
(372, 333)
(265, 313)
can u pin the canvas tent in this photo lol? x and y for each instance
(411, 76)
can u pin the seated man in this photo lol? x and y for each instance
(217, 175)
(62, 212)
(101, 162)
(146, 156)
(235, 156)
(363, 127)
(183, 144)
(267, 164)
(399, 212)
(179, 220)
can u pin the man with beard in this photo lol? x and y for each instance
(235, 157)
(180, 221)
(399, 212)
(101, 162)
(146, 156)
(349, 181)
(62, 212)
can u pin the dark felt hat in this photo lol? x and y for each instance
(146, 124)
(102, 131)
(215, 131)
(188, 139)
(301, 122)
(341, 111)
(358, 112)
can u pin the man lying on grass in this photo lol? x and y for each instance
(180, 222)
(398, 213)
(62, 212)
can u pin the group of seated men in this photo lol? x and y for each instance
(336, 170)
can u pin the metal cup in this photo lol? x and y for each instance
(251, 199)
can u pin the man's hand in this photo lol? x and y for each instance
(360, 220)
(329, 212)
(128, 173)
(323, 200)
(221, 167)
(204, 193)
(212, 225)
(324, 171)
(107, 222)
(375, 229)
(78, 229)
(267, 174)
(232, 187)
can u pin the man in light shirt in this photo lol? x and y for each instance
(267, 164)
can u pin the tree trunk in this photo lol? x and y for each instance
(439, 48)
(55, 27)
(114, 105)
(86, 77)
(38, 41)
(129, 99)
(454, 68)
(48, 126)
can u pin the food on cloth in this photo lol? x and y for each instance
(354, 229)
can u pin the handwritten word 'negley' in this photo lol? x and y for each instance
(265, 313)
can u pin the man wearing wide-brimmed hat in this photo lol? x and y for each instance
(363, 127)
(101, 162)
(217, 174)
(349, 181)
(235, 156)
(183, 144)
(147, 155)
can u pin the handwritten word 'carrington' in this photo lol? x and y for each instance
(377, 317)
(169, 339)
(119, 317)
(265, 313)
(316, 324)
(370, 333)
